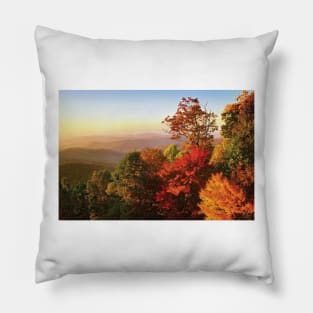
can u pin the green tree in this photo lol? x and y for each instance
(171, 152)
(131, 184)
(234, 157)
(73, 202)
(97, 196)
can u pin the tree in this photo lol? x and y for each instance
(128, 178)
(223, 200)
(135, 181)
(182, 181)
(236, 152)
(73, 202)
(218, 158)
(96, 189)
(154, 158)
(65, 199)
(238, 120)
(171, 152)
(192, 122)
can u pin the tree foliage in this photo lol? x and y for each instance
(129, 180)
(182, 181)
(136, 181)
(96, 190)
(73, 201)
(154, 158)
(171, 152)
(192, 122)
(223, 200)
(234, 156)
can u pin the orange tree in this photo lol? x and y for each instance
(193, 122)
(154, 158)
(223, 200)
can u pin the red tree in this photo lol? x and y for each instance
(182, 181)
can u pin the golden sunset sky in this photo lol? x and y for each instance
(122, 112)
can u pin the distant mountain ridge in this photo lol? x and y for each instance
(109, 150)
(90, 156)
(120, 143)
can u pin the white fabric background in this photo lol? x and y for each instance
(289, 154)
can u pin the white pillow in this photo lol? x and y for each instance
(104, 95)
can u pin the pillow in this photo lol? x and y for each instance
(155, 155)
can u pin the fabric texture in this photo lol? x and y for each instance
(74, 63)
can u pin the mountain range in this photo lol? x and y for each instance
(110, 150)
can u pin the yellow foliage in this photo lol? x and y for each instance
(223, 200)
(230, 108)
(218, 152)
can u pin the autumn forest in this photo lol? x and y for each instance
(196, 162)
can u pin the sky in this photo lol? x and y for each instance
(105, 112)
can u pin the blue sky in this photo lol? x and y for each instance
(100, 112)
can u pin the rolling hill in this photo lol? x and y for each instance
(105, 157)
(78, 164)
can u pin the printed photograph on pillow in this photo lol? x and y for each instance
(156, 155)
